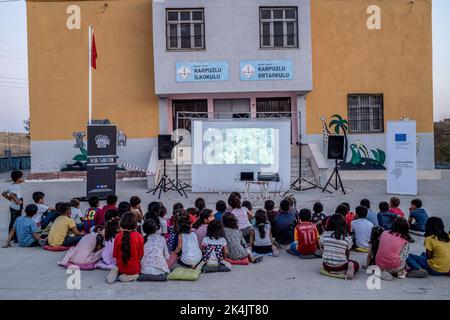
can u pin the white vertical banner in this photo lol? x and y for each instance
(401, 157)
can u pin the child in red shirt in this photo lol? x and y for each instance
(128, 251)
(394, 204)
(306, 237)
(99, 218)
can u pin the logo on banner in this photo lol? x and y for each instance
(102, 141)
(400, 137)
(184, 72)
(248, 71)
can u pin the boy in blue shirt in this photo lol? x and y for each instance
(26, 229)
(385, 218)
(418, 215)
(371, 215)
(221, 207)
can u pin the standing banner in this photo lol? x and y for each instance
(102, 160)
(401, 157)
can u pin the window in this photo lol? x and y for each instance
(365, 113)
(185, 29)
(192, 109)
(231, 108)
(278, 27)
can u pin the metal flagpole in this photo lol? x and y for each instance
(90, 74)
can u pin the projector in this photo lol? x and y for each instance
(266, 176)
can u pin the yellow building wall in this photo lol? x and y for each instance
(350, 58)
(123, 84)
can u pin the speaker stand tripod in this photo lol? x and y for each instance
(297, 184)
(337, 180)
(165, 184)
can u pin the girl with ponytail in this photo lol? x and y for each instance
(261, 236)
(200, 226)
(128, 251)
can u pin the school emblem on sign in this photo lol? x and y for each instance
(102, 141)
(184, 72)
(248, 70)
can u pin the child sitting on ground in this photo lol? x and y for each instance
(136, 208)
(200, 204)
(261, 240)
(385, 218)
(241, 214)
(393, 249)
(349, 216)
(336, 244)
(128, 251)
(371, 215)
(251, 217)
(188, 245)
(221, 207)
(436, 260)
(417, 216)
(63, 231)
(156, 254)
(269, 206)
(45, 214)
(26, 229)
(109, 233)
(76, 214)
(318, 216)
(122, 208)
(237, 246)
(214, 248)
(153, 213)
(99, 218)
(201, 225)
(306, 237)
(172, 240)
(284, 224)
(88, 220)
(394, 207)
(193, 214)
(361, 228)
(87, 252)
(163, 221)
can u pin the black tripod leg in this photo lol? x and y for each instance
(329, 180)
(174, 187)
(340, 182)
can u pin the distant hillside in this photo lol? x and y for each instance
(442, 141)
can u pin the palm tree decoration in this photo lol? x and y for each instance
(340, 124)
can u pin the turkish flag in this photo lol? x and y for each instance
(93, 53)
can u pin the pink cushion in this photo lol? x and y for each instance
(242, 262)
(59, 248)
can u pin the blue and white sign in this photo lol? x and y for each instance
(401, 157)
(204, 71)
(266, 70)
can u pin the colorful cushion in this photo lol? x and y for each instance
(364, 250)
(58, 248)
(242, 262)
(184, 274)
(332, 275)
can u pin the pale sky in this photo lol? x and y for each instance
(13, 63)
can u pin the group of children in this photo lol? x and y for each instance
(146, 247)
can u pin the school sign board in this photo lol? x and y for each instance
(401, 157)
(102, 161)
(266, 70)
(202, 71)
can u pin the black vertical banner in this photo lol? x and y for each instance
(102, 160)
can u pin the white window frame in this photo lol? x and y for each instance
(192, 24)
(272, 21)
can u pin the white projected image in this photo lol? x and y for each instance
(239, 145)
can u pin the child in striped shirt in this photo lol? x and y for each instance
(336, 244)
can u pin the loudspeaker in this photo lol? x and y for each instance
(335, 147)
(165, 146)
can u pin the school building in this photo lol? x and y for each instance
(162, 63)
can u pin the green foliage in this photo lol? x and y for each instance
(82, 156)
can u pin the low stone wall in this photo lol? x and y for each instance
(81, 175)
